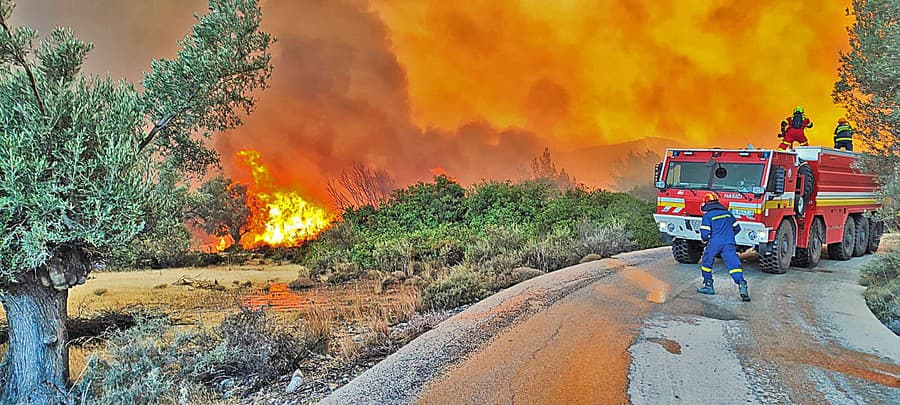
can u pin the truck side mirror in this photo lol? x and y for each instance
(778, 180)
(657, 173)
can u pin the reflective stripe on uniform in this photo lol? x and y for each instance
(732, 271)
(704, 227)
(706, 269)
(735, 225)
(723, 216)
(842, 139)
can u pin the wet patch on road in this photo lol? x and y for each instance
(656, 289)
(717, 313)
(847, 362)
(690, 359)
(670, 345)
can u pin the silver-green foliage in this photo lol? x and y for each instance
(869, 88)
(86, 161)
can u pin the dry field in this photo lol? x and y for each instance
(339, 310)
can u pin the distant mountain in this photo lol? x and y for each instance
(596, 166)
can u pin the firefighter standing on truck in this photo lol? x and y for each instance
(843, 135)
(796, 125)
(718, 229)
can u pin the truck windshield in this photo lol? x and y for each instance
(740, 177)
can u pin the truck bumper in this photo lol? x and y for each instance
(685, 227)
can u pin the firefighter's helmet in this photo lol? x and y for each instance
(710, 197)
(798, 110)
(842, 120)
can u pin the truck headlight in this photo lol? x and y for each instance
(671, 227)
(752, 235)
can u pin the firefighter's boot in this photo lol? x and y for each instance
(742, 289)
(707, 287)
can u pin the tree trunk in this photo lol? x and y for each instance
(236, 237)
(35, 369)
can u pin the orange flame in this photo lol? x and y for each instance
(222, 245)
(439, 171)
(289, 218)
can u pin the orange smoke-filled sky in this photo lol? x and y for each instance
(479, 88)
(613, 71)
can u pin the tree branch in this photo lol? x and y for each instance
(159, 126)
(21, 61)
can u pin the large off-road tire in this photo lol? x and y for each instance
(779, 260)
(687, 251)
(843, 250)
(876, 229)
(804, 196)
(809, 255)
(862, 235)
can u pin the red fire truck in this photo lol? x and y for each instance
(789, 204)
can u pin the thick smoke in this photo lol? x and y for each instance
(480, 88)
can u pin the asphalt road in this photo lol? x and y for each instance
(632, 329)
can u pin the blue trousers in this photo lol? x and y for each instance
(729, 256)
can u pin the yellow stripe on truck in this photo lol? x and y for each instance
(846, 201)
(775, 204)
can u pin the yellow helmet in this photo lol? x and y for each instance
(798, 110)
(842, 120)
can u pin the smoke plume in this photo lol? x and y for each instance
(479, 88)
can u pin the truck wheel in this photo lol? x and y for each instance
(809, 256)
(876, 229)
(687, 251)
(804, 196)
(843, 250)
(779, 260)
(862, 236)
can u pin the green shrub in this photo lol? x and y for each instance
(144, 365)
(506, 204)
(253, 349)
(323, 256)
(498, 248)
(394, 255)
(514, 276)
(461, 287)
(613, 237)
(155, 362)
(344, 272)
(493, 227)
(882, 277)
(638, 218)
(555, 251)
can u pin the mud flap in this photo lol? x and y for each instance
(764, 249)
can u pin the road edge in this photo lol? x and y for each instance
(401, 376)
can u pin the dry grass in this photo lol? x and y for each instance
(332, 315)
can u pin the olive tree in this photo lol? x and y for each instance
(869, 88)
(224, 207)
(86, 160)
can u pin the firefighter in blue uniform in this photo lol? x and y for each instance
(718, 229)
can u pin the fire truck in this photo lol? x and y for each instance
(791, 205)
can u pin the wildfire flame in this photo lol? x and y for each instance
(222, 245)
(289, 218)
(439, 171)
